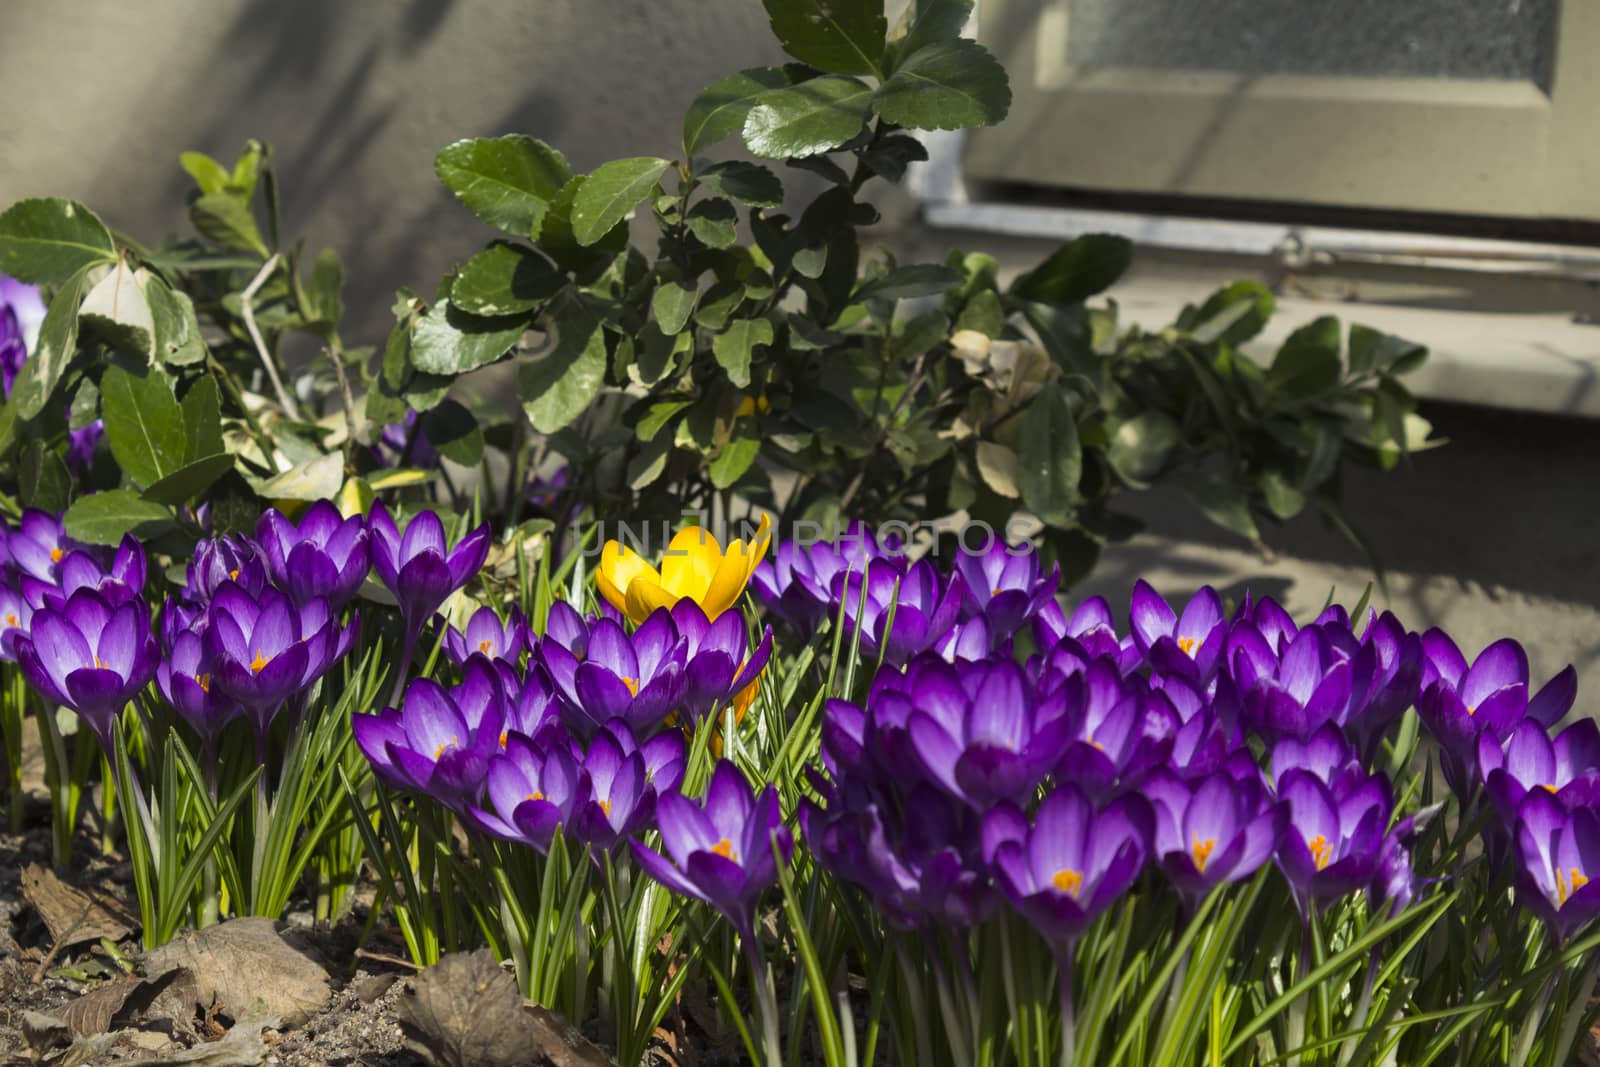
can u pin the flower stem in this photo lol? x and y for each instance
(766, 999)
(1068, 1020)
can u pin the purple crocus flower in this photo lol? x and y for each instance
(184, 677)
(420, 569)
(1005, 586)
(717, 657)
(1122, 732)
(1459, 702)
(441, 741)
(1189, 644)
(722, 851)
(91, 656)
(1331, 844)
(798, 582)
(80, 569)
(533, 790)
(403, 444)
(22, 312)
(1295, 695)
(1392, 673)
(265, 649)
(923, 608)
(1213, 830)
(16, 616)
(1568, 767)
(1558, 859)
(324, 555)
(1092, 630)
(1072, 863)
(978, 731)
(234, 558)
(38, 545)
(487, 634)
(1326, 754)
(620, 799)
(639, 679)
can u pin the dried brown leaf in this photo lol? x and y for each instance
(246, 967)
(74, 915)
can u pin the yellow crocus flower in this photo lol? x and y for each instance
(695, 566)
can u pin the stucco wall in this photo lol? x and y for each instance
(356, 96)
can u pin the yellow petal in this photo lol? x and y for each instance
(619, 566)
(644, 596)
(691, 560)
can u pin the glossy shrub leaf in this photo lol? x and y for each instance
(448, 340)
(47, 239)
(177, 331)
(734, 346)
(1308, 363)
(1049, 457)
(805, 119)
(560, 386)
(58, 341)
(735, 458)
(916, 279)
(118, 309)
(720, 108)
(948, 85)
(611, 192)
(838, 36)
(714, 222)
(1140, 446)
(672, 303)
(202, 418)
(1077, 270)
(43, 480)
(315, 479)
(1224, 503)
(748, 183)
(324, 306)
(558, 240)
(1231, 315)
(927, 22)
(144, 424)
(227, 220)
(452, 430)
(508, 182)
(104, 518)
(1372, 351)
(657, 417)
(505, 279)
(208, 174)
(190, 480)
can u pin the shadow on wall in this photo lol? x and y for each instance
(355, 99)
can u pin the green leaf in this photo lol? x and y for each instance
(672, 303)
(734, 459)
(1140, 446)
(43, 480)
(648, 466)
(812, 117)
(324, 307)
(449, 341)
(208, 174)
(917, 279)
(1050, 458)
(1232, 315)
(202, 418)
(1283, 499)
(657, 417)
(733, 347)
(1308, 363)
(58, 342)
(508, 182)
(1077, 270)
(452, 430)
(227, 220)
(748, 183)
(721, 107)
(103, 518)
(144, 425)
(505, 279)
(927, 22)
(714, 222)
(190, 480)
(85, 404)
(983, 313)
(1383, 353)
(561, 385)
(838, 36)
(949, 85)
(49, 240)
(177, 342)
(557, 240)
(1225, 504)
(611, 192)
